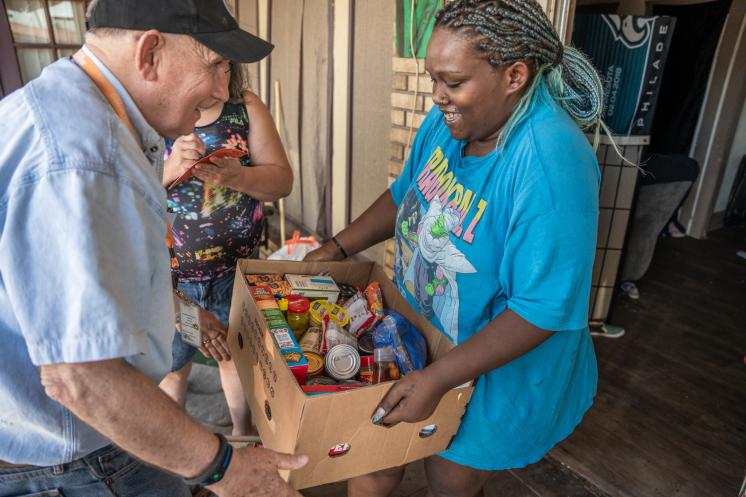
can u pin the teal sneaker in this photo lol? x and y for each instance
(608, 331)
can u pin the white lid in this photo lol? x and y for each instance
(384, 354)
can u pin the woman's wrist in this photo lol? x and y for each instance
(441, 377)
(170, 171)
(332, 252)
(339, 247)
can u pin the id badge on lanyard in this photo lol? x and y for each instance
(188, 322)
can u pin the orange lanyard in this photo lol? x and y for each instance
(93, 72)
(116, 102)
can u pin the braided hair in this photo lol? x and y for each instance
(509, 31)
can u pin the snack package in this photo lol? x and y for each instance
(292, 354)
(361, 319)
(375, 300)
(280, 288)
(346, 292)
(263, 297)
(262, 279)
(409, 346)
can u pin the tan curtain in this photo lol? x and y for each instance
(300, 62)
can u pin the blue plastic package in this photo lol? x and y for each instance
(409, 346)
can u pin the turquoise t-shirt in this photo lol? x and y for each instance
(513, 229)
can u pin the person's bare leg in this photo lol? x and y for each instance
(379, 484)
(448, 479)
(239, 409)
(175, 384)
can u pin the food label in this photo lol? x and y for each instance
(284, 338)
(189, 324)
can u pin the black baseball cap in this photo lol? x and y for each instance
(207, 21)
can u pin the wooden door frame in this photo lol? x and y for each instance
(341, 114)
(716, 129)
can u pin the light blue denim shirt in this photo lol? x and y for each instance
(84, 269)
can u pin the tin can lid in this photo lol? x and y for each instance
(315, 362)
(321, 380)
(342, 362)
(365, 343)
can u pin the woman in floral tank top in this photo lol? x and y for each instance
(219, 219)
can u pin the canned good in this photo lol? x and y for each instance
(365, 344)
(321, 380)
(312, 340)
(315, 364)
(342, 362)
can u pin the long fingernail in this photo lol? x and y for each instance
(378, 416)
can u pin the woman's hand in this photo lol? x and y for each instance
(411, 399)
(187, 150)
(226, 171)
(214, 334)
(327, 252)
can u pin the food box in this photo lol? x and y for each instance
(333, 430)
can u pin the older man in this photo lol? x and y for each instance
(86, 314)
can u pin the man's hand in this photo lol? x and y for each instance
(253, 472)
(214, 334)
(411, 399)
(187, 150)
(226, 171)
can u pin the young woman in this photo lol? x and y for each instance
(219, 220)
(495, 219)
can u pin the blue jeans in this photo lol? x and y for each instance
(107, 472)
(214, 296)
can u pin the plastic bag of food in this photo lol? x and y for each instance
(409, 346)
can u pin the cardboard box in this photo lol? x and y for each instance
(290, 421)
(629, 53)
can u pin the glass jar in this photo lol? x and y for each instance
(297, 316)
(366, 369)
(385, 368)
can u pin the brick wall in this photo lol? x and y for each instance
(404, 83)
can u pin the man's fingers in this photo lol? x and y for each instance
(191, 154)
(290, 461)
